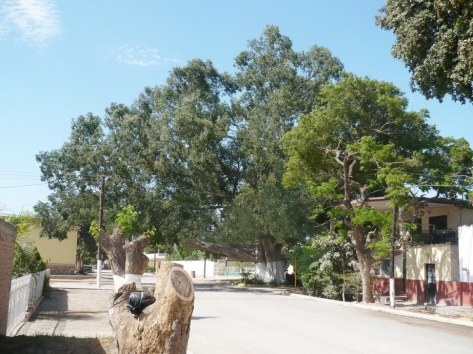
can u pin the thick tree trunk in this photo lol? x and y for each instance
(365, 261)
(113, 247)
(271, 270)
(366, 282)
(244, 253)
(164, 326)
(267, 255)
(364, 266)
(128, 262)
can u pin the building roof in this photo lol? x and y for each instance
(381, 203)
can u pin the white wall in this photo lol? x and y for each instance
(465, 250)
(198, 267)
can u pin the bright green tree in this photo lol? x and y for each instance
(360, 142)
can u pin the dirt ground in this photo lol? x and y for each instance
(43, 344)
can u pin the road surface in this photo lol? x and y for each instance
(235, 320)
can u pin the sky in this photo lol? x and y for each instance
(60, 59)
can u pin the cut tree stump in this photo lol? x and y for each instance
(162, 327)
(127, 260)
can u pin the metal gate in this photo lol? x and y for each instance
(431, 283)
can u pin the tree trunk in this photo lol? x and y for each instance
(243, 253)
(113, 247)
(79, 262)
(365, 261)
(364, 265)
(267, 255)
(272, 269)
(128, 262)
(164, 326)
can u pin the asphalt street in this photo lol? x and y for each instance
(235, 320)
(229, 319)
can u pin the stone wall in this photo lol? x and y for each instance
(7, 245)
(61, 269)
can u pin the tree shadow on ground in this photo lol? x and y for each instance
(196, 318)
(42, 344)
(55, 315)
(222, 287)
(57, 301)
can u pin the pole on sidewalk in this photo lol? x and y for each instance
(392, 290)
(99, 249)
(205, 262)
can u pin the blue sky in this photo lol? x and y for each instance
(60, 59)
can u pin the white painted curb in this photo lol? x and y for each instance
(391, 311)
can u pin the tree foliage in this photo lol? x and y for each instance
(198, 157)
(24, 222)
(359, 143)
(27, 260)
(434, 38)
(125, 220)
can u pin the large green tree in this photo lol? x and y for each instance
(360, 142)
(434, 38)
(200, 157)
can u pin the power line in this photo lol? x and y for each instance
(24, 185)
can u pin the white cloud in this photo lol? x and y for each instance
(34, 21)
(142, 57)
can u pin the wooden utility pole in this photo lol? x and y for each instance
(99, 249)
(392, 290)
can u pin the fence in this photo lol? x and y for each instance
(232, 268)
(25, 292)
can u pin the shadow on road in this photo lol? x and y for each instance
(222, 287)
(196, 318)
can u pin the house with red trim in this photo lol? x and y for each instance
(437, 267)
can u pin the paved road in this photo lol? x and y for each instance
(233, 320)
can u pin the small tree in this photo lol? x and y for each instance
(125, 220)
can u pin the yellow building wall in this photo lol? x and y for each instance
(398, 266)
(455, 216)
(445, 258)
(54, 251)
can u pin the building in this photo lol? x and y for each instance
(436, 267)
(60, 255)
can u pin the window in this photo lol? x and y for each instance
(385, 268)
(438, 222)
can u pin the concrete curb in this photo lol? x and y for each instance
(436, 318)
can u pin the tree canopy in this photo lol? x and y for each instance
(434, 38)
(359, 143)
(198, 157)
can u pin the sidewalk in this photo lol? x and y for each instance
(457, 315)
(71, 312)
(78, 308)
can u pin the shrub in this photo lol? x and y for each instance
(47, 286)
(150, 269)
(27, 260)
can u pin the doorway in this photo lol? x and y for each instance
(431, 288)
